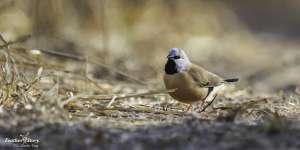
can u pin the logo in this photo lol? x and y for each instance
(21, 141)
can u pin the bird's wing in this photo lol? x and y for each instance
(203, 77)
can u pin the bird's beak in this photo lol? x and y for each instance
(170, 56)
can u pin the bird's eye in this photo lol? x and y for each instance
(176, 57)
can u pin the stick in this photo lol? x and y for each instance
(111, 102)
(83, 59)
(18, 40)
(137, 110)
(114, 97)
(71, 56)
(2, 39)
(109, 97)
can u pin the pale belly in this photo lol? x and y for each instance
(186, 90)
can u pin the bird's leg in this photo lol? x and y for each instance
(164, 106)
(188, 108)
(208, 104)
(201, 103)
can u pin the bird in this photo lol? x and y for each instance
(191, 83)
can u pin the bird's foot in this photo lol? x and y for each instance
(190, 107)
(165, 106)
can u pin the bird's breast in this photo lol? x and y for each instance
(187, 90)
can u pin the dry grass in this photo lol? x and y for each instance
(35, 88)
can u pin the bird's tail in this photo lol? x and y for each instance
(231, 80)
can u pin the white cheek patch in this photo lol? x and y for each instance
(182, 64)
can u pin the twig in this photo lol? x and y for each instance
(18, 40)
(2, 39)
(57, 68)
(113, 98)
(243, 105)
(109, 97)
(94, 83)
(137, 110)
(71, 56)
(83, 59)
(111, 102)
(118, 72)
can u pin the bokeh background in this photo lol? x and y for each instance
(257, 41)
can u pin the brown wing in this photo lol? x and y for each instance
(203, 77)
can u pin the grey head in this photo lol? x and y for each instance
(177, 61)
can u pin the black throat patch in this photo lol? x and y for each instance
(170, 67)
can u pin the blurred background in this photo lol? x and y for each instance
(257, 41)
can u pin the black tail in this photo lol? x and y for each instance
(232, 80)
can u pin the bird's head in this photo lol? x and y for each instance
(177, 61)
(176, 53)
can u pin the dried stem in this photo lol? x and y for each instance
(18, 40)
(83, 59)
(109, 97)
